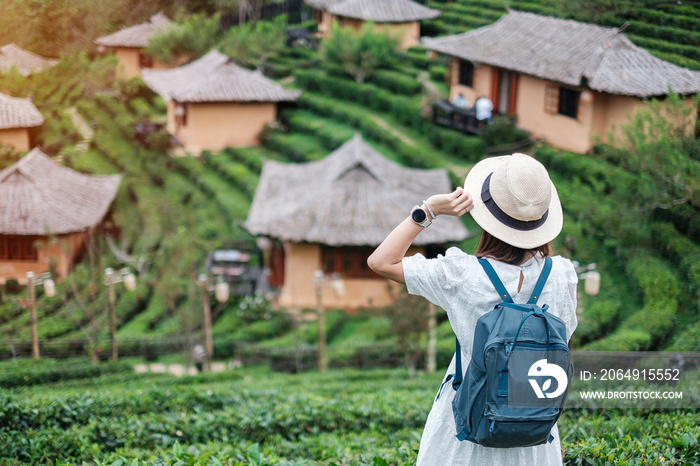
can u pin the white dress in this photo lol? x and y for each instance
(457, 283)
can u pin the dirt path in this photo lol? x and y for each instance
(175, 369)
(393, 130)
(83, 128)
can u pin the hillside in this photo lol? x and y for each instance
(173, 211)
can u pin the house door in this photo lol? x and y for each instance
(503, 91)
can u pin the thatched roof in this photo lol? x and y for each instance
(37, 197)
(24, 61)
(352, 197)
(569, 52)
(215, 78)
(322, 4)
(136, 36)
(18, 113)
(380, 11)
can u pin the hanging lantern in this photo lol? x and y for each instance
(130, 281)
(221, 291)
(49, 288)
(592, 283)
(338, 286)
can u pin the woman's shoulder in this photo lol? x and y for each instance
(564, 267)
(456, 255)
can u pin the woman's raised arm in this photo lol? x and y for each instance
(386, 259)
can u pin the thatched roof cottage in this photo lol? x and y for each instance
(24, 61)
(39, 198)
(565, 80)
(18, 118)
(330, 214)
(128, 45)
(214, 103)
(399, 16)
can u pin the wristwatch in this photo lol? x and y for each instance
(420, 216)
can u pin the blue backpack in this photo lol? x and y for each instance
(516, 384)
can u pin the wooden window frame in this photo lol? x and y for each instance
(555, 98)
(348, 261)
(145, 61)
(17, 248)
(512, 91)
(551, 99)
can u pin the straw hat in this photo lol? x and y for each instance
(515, 200)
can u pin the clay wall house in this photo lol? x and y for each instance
(19, 120)
(214, 103)
(128, 45)
(400, 17)
(566, 81)
(330, 214)
(45, 213)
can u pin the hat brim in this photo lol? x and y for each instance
(530, 239)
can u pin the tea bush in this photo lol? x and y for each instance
(368, 417)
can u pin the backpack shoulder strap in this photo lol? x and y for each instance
(497, 283)
(541, 281)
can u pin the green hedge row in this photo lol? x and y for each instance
(405, 111)
(681, 251)
(679, 60)
(417, 57)
(684, 217)
(486, 12)
(410, 154)
(295, 147)
(465, 22)
(328, 133)
(596, 172)
(235, 173)
(34, 373)
(246, 156)
(396, 82)
(669, 33)
(649, 326)
(658, 45)
(662, 18)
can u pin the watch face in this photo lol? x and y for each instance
(418, 215)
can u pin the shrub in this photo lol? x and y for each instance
(503, 131)
(47, 371)
(359, 53)
(12, 286)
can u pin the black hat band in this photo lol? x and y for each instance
(503, 217)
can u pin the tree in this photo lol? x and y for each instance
(359, 53)
(409, 321)
(660, 145)
(252, 44)
(192, 37)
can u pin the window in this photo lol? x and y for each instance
(18, 248)
(350, 262)
(466, 73)
(145, 61)
(561, 101)
(568, 102)
(181, 114)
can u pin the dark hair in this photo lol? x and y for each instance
(490, 246)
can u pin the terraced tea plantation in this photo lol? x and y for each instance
(255, 417)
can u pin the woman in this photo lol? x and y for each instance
(517, 206)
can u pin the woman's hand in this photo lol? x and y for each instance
(456, 203)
